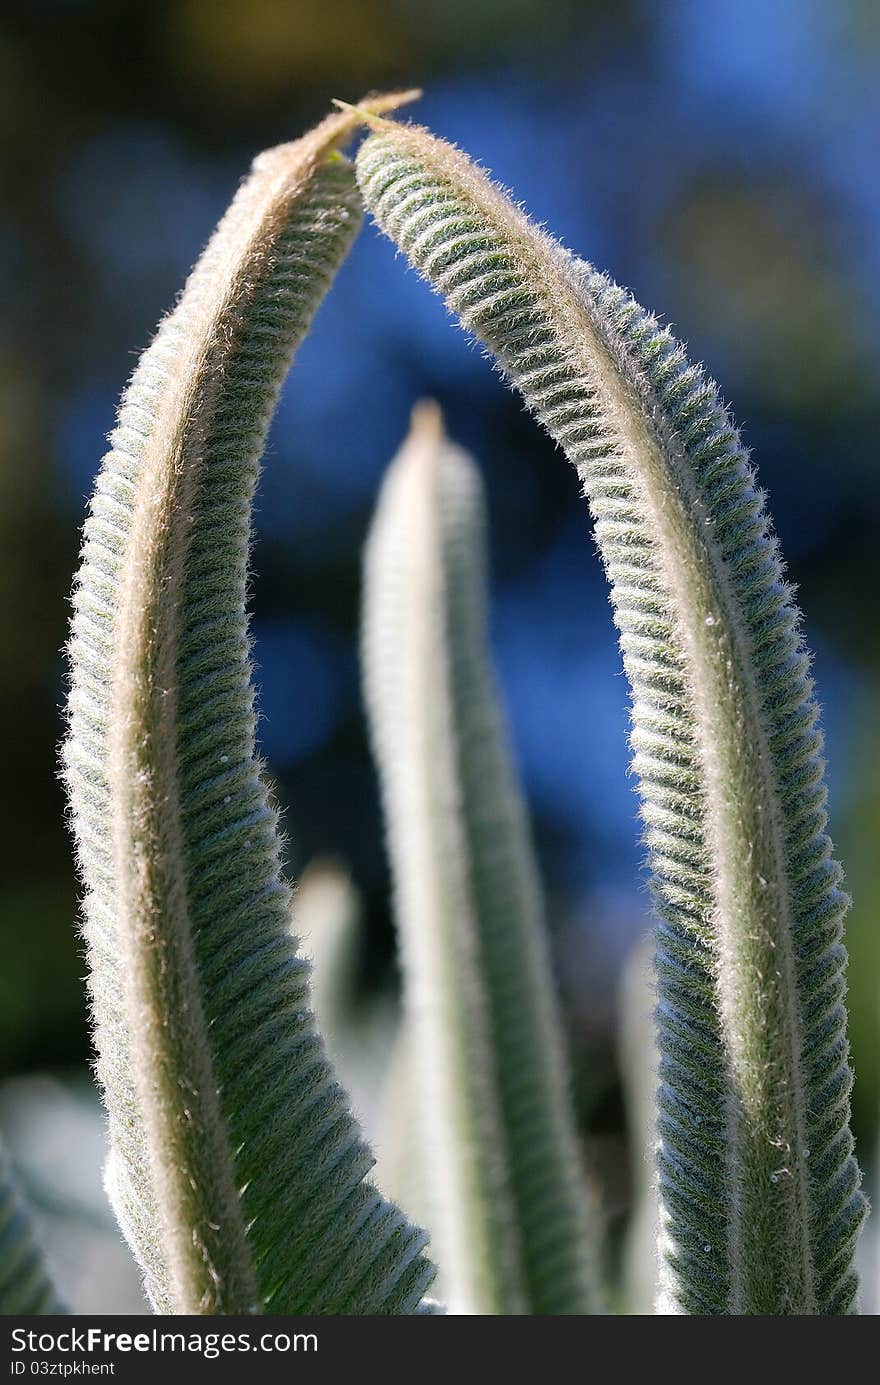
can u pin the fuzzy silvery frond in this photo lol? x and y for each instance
(758, 1183)
(237, 1170)
(509, 1212)
(25, 1282)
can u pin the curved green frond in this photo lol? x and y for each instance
(758, 1183)
(237, 1170)
(502, 1173)
(25, 1283)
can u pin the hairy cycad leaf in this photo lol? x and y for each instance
(758, 1183)
(237, 1170)
(508, 1196)
(25, 1283)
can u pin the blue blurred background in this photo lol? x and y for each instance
(719, 157)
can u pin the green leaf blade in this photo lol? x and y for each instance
(237, 1170)
(759, 1185)
(513, 1220)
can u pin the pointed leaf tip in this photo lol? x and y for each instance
(426, 421)
(371, 110)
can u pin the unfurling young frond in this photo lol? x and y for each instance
(237, 1170)
(509, 1212)
(759, 1188)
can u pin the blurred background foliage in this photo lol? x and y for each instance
(717, 156)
